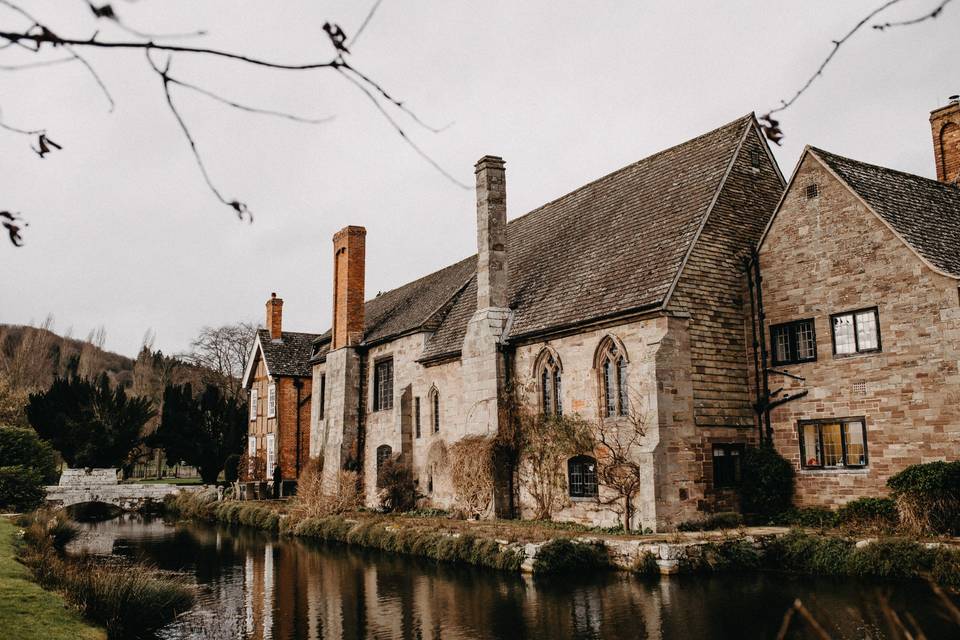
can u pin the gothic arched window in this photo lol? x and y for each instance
(611, 364)
(435, 409)
(582, 477)
(549, 375)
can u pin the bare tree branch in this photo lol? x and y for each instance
(239, 207)
(906, 23)
(397, 103)
(771, 127)
(107, 12)
(243, 107)
(366, 21)
(34, 65)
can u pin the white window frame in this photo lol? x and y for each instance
(253, 404)
(857, 330)
(252, 446)
(271, 453)
(272, 400)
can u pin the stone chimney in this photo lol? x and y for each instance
(491, 233)
(275, 316)
(945, 126)
(349, 259)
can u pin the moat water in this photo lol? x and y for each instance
(254, 585)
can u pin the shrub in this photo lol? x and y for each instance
(945, 566)
(767, 482)
(562, 555)
(23, 447)
(21, 489)
(231, 468)
(890, 558)
(869, 514)
(731, 555)
(928, 497)
(724, 520)
(397, 489)
(801, 552)
(812, 517)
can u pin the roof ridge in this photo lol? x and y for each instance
(931, 181)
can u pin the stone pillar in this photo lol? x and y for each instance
(491, 233)
(945, 126)
(340, 424)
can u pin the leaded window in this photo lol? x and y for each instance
(856, 332)
(582, 477)
(435, 409)
(833, 443)
(551, 398)
(613, 364)
(416, 415)
(726, 465)
(794, 342)
(383, 385)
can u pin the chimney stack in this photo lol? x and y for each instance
(275, 316)
(945, 126)
(491, 233)
(349, 261)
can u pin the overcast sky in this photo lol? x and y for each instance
(124, 233)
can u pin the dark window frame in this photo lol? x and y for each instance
(856, 333)
(435, 409)
(791, 327)
(585, 486)
(731, 450)
(323, 392)
(382, 401)
(551, 385)
(843, 442)
(384, 452)
(812, 191)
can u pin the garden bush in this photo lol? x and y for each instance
(724, 520)
(812, 517)
(730, 555)
(869, 514)
(928, 497)
(562, 555)
(23, 447)
(398, 492)
(767, 482)
(21, 489)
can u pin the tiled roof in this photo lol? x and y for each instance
(289, 356)
(610, 247)
(924, 212)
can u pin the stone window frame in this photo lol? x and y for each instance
(580, 469)
(548, 373)
(433, 397)
(323, 393)
(819, 422)
(383, 396)
(611, 352)
(729, 450)
(856, 332)
(792, 335)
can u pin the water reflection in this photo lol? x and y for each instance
(255, 586)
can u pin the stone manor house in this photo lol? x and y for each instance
(695, 291)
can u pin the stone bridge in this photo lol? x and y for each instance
(78, 486)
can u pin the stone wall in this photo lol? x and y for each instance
(830, 254)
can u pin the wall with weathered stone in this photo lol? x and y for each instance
(828, 255)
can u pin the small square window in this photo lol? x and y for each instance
(856, 332)
(726, 465)
(813, 191)
(793, 342)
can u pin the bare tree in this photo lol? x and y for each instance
(56, 44)
(616, 446)
(29, 366)
(222, 352)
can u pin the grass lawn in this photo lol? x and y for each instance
(27, 612)
(166, 481)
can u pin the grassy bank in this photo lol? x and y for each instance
(500, 544)
(129, 600)
(27, 608)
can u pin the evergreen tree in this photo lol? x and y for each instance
(201, 431)
(90, 423)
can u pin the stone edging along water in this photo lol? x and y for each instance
(785, 550)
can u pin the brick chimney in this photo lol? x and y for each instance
(349, 256)
(275, 316)
(491, 233)
(945, 126)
